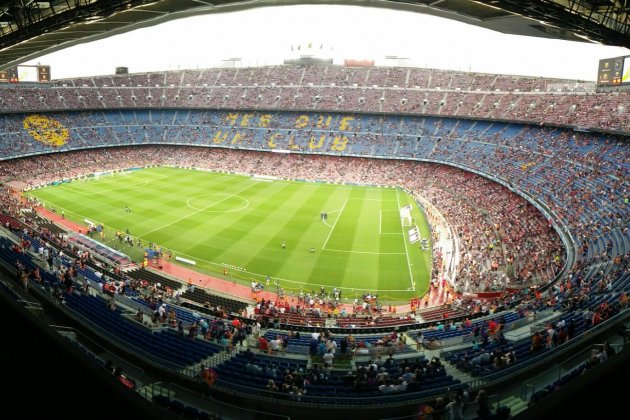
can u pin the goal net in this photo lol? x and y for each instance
(405, 215)
(98, 175)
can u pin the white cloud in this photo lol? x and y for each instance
(264, 36)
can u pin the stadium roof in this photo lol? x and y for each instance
(29, 28)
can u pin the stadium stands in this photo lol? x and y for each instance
(578, 178)
(404, 90)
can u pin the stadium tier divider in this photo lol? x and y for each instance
(202, 296)
(155, 278)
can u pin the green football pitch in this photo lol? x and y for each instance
(219, 220)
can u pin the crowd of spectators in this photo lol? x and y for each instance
(581, 177)
(579, 289)
(496, 228)
(408, 90)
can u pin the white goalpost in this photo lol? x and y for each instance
(98, 175)
(405, 215)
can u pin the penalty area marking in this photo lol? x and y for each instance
(330, 212)
(335, 224)
(126, 187)
(382, 200)
(380, 223)
(364, 252)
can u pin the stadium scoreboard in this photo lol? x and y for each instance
(614, 71)
(27, 74)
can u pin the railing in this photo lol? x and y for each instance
(505, 375)
(82, 337)
(497, 378)
(98, 330)
(218, 408)
(559, 370)
(29, 304)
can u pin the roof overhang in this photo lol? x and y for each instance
(29, 29)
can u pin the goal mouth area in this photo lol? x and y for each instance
(405, 216)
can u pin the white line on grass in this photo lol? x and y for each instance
(380, 200)
(335, 224)
(365, 252)
(326, 223)
(217, 211)
(126, 187)
(380, 230)
(413, 285)
(305, 284)
(198, 211)
(315, 183)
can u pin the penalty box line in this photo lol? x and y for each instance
(413, 283)
(380, 223)
(335, 224)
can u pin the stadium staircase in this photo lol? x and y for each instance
(44, 223)
(212, 361)
(514, 403)
(199, 296)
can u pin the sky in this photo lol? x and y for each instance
(264, 36)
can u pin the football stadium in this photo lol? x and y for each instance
(293, 227)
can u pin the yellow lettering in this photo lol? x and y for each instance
(301, 121)
(231, 118)
(292, 144)
(324, 122)
(339, 143)
(344, 124)
(319, 144)
(220, 137)
(237, 138)
(265, 119)
(271, 143)
(245, 120)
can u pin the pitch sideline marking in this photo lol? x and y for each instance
(293, 281)
(413, 285)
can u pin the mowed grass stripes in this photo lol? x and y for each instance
(221, 219)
